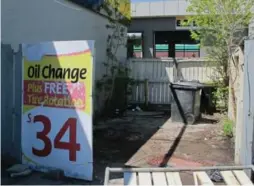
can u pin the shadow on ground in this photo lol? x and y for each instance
(148, 140)
(115, 142)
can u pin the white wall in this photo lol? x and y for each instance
(237, 85)
(31, 21)
(246, 152)
(251, 29)
(159, 8)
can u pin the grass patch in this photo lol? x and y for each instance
(228, 127)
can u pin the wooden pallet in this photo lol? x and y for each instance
(234, 177)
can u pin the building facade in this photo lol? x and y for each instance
(162, 34)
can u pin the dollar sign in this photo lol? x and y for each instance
(29, 118)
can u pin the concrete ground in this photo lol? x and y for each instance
(148, 140)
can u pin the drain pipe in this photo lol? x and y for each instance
(13, 96)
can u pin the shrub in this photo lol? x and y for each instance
(228, 128)
(220, 97)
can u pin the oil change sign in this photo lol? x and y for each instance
(57, 107)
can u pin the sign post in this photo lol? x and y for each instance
(57, 107)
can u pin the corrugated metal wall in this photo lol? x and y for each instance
(196, 70)
(159, 72)
(11, 82)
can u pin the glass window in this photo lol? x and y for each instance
(135, 45)
(161, 50)
(187, 50)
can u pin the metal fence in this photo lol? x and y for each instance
(153, 76)
(11, 85)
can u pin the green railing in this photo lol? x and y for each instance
(178, 47)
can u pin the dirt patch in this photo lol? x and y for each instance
(202, 143)
(147, 140)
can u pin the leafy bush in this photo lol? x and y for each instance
(220, 97)
(228, 128)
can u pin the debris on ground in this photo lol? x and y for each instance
(23, 173)
(138, 109)
(134, 136)
(215, 176)
(55, 174)
(19, 170)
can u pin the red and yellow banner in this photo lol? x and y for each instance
(57, 107)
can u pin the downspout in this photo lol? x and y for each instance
(13, 96)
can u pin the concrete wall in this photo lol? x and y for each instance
(162, 8)
(32, 21)
(159, 8)
(247, 150)
(236, 86)
(244, 134)
(154, 24)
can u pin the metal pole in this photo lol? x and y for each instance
(106, 178)
(155, 169)
(1, 71)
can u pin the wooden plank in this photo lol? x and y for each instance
(202, 178)
(130, 178)
(195, 179)
(242, 177)
(159, 178)
(144, 178)
(173, 178)
(229, 178)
